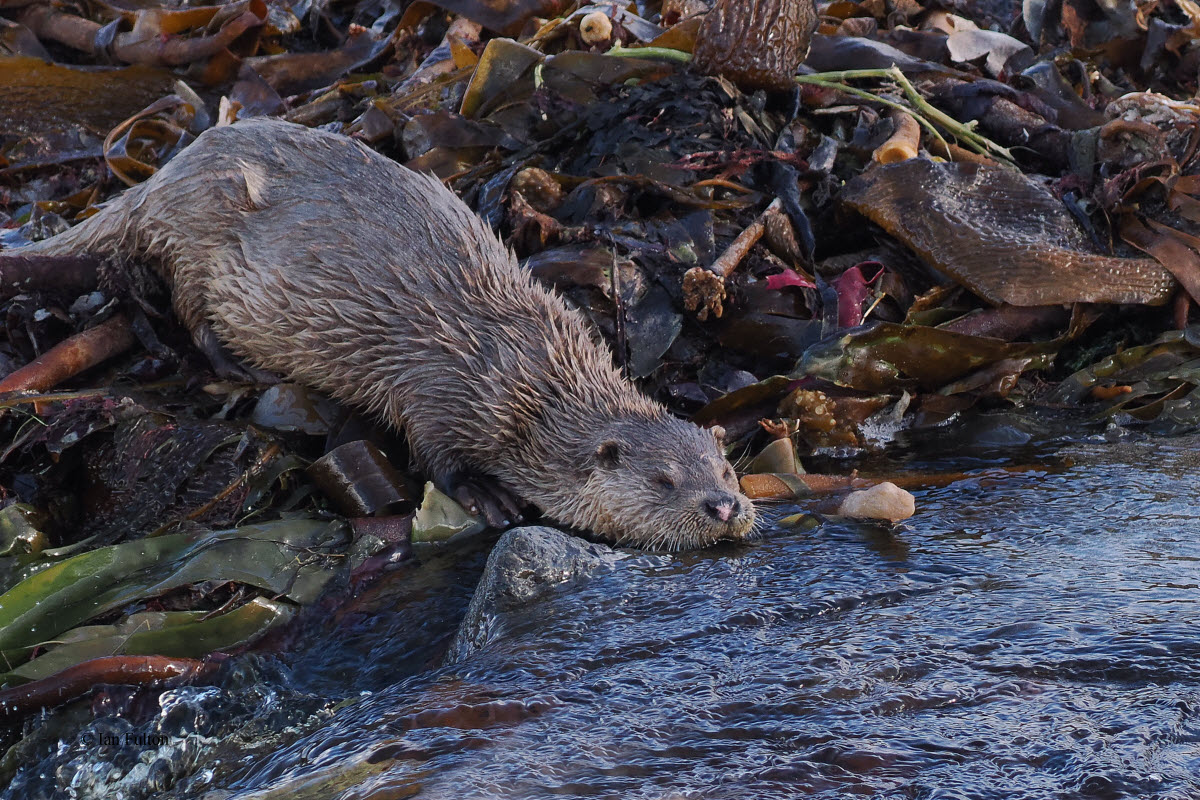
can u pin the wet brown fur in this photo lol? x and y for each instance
(312, 256)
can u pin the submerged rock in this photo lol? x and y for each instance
(525, 564)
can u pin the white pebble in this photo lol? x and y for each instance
(887, 501)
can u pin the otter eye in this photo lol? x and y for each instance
(729, 473)
(664, 482)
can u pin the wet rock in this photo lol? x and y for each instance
(524, 565)
(291, 407)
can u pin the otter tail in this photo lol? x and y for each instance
(101, 236)
(70, 259)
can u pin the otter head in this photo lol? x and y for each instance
(663, 484)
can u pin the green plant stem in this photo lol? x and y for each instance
(920, 108)
(945, 120)
(665, 53)
(874, 98)
(841, 76)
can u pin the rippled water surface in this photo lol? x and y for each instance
(1034, 635)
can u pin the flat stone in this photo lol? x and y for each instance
(887, 502)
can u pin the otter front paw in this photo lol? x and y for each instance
(483, 496)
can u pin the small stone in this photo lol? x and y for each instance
(887, 501)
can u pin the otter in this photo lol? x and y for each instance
(310, 255)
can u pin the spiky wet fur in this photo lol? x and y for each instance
(312, 256)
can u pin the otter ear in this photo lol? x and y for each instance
(719, 433)
(608, 454)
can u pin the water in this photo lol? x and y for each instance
(1031, 635)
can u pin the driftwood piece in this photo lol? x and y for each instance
(69, 358)
(704, 287)
(135, 47)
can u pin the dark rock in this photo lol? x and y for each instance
(525, 564)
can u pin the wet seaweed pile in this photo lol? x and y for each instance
(945, 209)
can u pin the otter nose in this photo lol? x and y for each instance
(721, 505)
